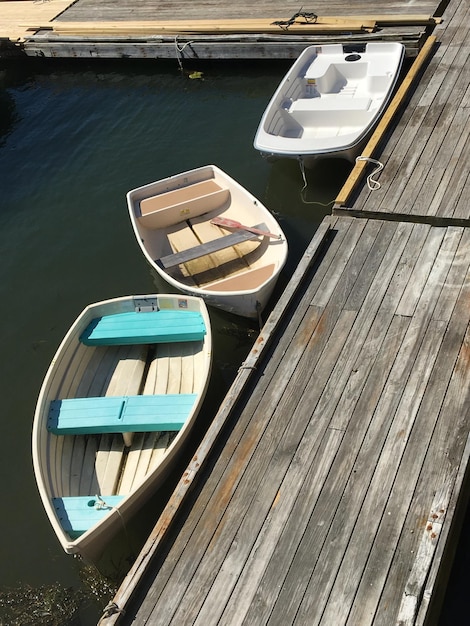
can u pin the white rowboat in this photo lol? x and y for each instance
(116, 406)
(178, 223)
(329, 101)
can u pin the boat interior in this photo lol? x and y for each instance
(179, 220)
(103, 463)
(334, 95)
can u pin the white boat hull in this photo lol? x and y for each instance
(329, 102)
(174, 215)
(103, 466)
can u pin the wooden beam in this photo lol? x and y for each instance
(209, 26)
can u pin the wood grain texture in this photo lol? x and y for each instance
(425, 175)
(122, 28)
(300, 517)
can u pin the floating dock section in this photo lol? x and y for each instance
(211, 30)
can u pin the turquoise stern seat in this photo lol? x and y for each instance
(135, 327)
(80, 513)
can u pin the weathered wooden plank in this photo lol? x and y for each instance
(439, 198)
(284, 568)
(187, 9)
(335, 271)
(449, 125)
(298, 495)
(455, 279)
(417, 235)
(279, 403)
(379, 282)
(432, 595)
(258, 491)
(275, 585)
(130, 26)
(416, 362)
(216, 47)
(385, 121)
(294, 586)
(266, 25)
(421, 428)
(416, 148)
(423, 266)
(463, 204)
(252, 570)
(437, 469)
(424, 552)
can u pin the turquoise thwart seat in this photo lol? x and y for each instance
(119, 414)
(77, 514)
(163, 326)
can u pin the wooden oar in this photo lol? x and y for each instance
(228, 223)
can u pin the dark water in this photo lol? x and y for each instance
(74, 139)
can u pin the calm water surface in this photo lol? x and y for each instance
(73, 140)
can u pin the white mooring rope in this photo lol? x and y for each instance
(371, 183)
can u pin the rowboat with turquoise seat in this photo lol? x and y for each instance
(196, 231)
(116, 406)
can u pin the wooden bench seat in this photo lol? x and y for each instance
(178, 196)
(163, 326)
(210, 247)
(178, 205)
(119, 414)
(77, 514)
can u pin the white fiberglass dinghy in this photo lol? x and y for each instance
(329, 102)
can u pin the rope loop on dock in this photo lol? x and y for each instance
(372, 184)
(112, 609)
(309, 17)
(244, 366)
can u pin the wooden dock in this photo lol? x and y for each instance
(211, 30)
(331, 485)
(425, 177)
